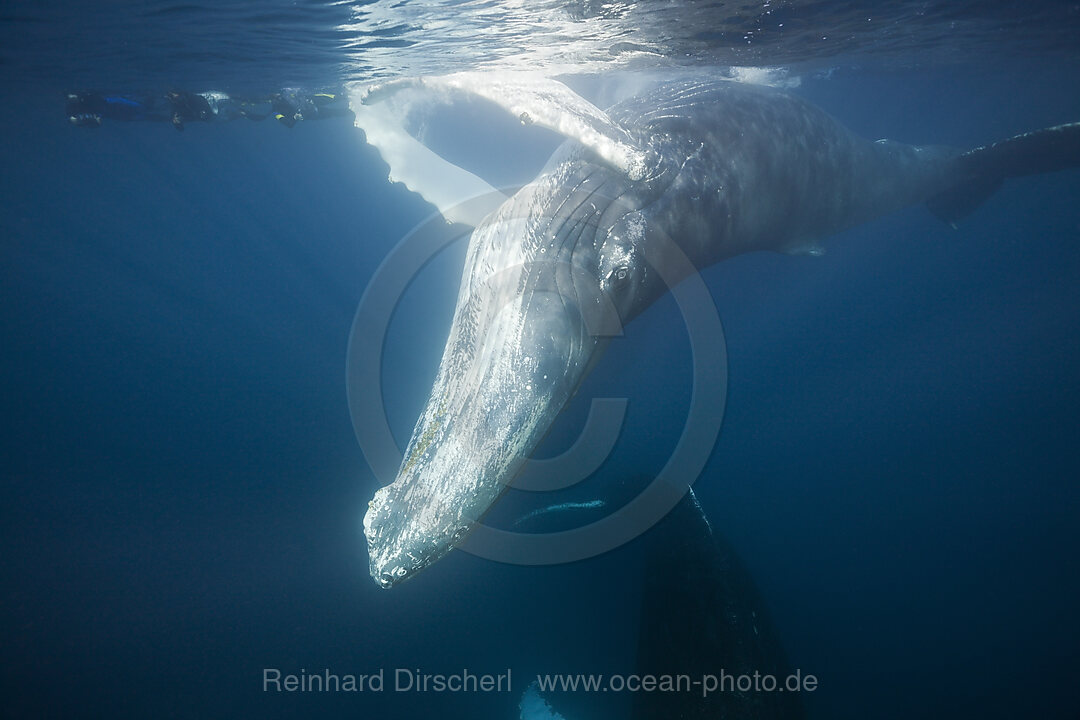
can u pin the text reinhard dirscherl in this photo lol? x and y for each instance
(398, 680)
(415, 680)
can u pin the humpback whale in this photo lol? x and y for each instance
(700, 612)
(698, 170)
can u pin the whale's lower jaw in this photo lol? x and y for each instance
(391, 561)
(418, 519)
(469, 444)
(459, 462)
(398, 551)
(441, 492)
(521, 340)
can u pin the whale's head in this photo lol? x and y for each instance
(548, 277)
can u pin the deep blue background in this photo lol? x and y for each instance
(182, 491)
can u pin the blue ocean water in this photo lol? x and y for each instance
(182, 487)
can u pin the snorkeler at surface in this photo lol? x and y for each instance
(187, 106)
(88, 109)
(291, 105)
(225, 107)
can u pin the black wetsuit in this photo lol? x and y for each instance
(89, 109)
(291, 105)
(187, 106)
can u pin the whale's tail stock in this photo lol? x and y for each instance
(981, 171)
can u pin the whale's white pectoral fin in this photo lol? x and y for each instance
(459, 195)
(533, 100)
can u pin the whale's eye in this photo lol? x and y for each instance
(619, 277)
